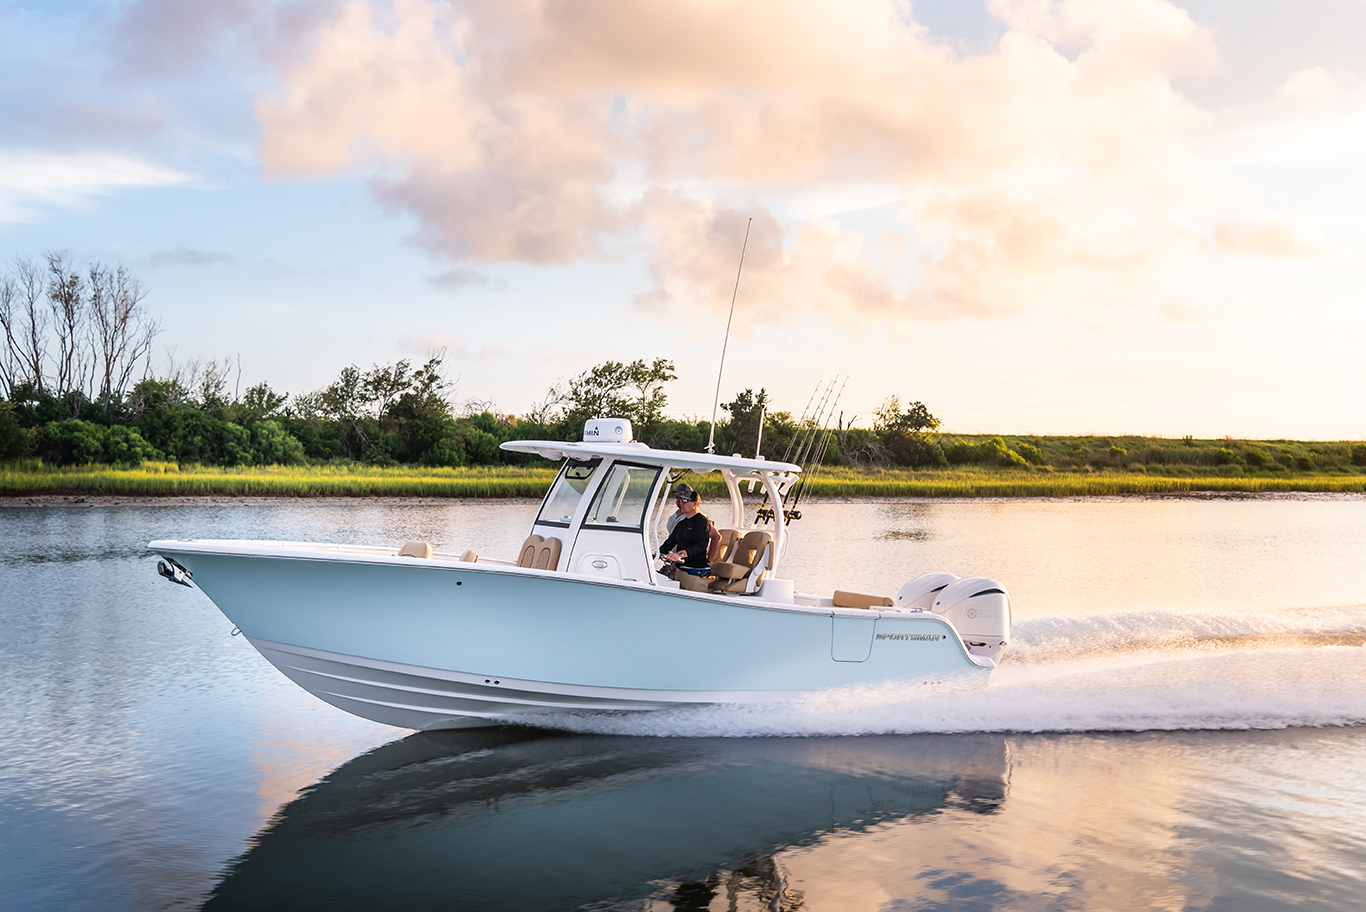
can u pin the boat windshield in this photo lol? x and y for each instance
(564, 497)
(621, 502)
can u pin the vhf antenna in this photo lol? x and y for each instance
(716, 403)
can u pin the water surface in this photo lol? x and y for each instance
(1178, 725)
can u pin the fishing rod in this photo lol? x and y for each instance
(787, 453)
(813, 427)
(715, 403)
(812, 442)
(795, 442)
(800, 488)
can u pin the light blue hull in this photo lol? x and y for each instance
(444, 644)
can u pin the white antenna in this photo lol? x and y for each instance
(715, 403)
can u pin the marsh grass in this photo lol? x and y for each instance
(985, 482)
(31, 478)
(170, 480)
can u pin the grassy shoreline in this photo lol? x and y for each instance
(156, 480)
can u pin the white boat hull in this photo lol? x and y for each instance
(410, 696)
(438, 643)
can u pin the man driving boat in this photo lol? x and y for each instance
(690, 540)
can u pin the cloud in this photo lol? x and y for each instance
(96, 123)
(151, 38)
(491, 177)
(1265, 238)
(31, 181)
(462, 276)
(1319, 86)
(456, 348)
(185, 256)
(1053, 169)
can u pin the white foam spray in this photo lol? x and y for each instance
(1153, 671)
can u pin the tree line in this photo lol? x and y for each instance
(78, 388)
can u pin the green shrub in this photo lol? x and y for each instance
(481, 447)
(271, 444)
(123, 445)
(445, 452)
(1002, 455)
(71, 442)
(15, 439)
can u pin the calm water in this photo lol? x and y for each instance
(1180, 724)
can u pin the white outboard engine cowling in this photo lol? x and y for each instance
(980, 611)
(919, 594)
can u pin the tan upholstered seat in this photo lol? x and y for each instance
(725, 548)
(844, 599)
(540, 553)
(415, 549)
(691, 583)
(470, 557)
(751, 559)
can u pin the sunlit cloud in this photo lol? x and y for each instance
(1265, 238)
(1057, 170)
(1315, 116)
(33, 181)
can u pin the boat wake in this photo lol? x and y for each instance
(1150, 671)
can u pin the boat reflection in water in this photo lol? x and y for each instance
(515, 819)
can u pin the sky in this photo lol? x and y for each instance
(1036, 217)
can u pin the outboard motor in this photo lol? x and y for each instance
(919, 594)
(980, 611)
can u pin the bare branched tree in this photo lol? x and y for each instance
(550, 409)
(121, 330)
(9, 361)
(66, 301)
(210, 384)
(26, 321)
(194, 380)
(471, 407)
(72, 336)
